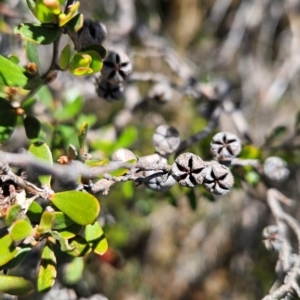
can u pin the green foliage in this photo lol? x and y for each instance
(20, 230)
(14, 285)
(84, 63)
(21, 87)
(73, 271)
(42, 151)
(94, 235)
(38, 33)
(7, 249)
(11, 74)
(32, 53)
(12, 214)
(19, 257)
(47, 270)
(82, 208)
(32, 127)
(65, 57)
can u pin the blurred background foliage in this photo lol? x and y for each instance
(181, 244)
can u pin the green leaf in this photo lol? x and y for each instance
(96, 61)
(31, 5)
(46, 222)
(32, 54)
(70, 231)
(20, 230)
(61, 221)
(42, 151)
(47, 270)
(127, 189)
(47, 13)
(38, 33)
(14, 59)
(97, 48)
(7, 249)
(82, 134)
(80, 60)
(70, 109)
(19, 257)
(251, 152)
(65, 57)
(76, 23)
(12, 214)
(73, 271)
(8, 117)
(32, 127)
(14, 285)
(85, 63)
(80, 246)
(94, 235)
(11, 74)
(127, 137)
(65, 18)
(82, 208)
(34, 212)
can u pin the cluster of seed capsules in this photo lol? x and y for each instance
(189, 170)
(115, 70)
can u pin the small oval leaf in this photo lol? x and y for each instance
(32, 53)
(97, 48)
(73, 271)
(94, 235)
(14, 285)
(11, 74)
(8, 118)
(38, 33)
(47, 221)
(61, 221)
(47, 270)
(19, 257)
(12, 214)
(70, 231)
(20, 230)
(32, 127)
(65, 57)
(82, 208)
(7, 249)
(34, 212)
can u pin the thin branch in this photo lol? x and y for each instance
(212, 124)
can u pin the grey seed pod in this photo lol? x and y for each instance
(272, 238)
(218, 179)
(116, 67)
(225, 146)
(109, 91)
(91, 33)
(165, 140)
(123, 155)
(275, 168)
(158, 183)
(188, 169)
(161, 92)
